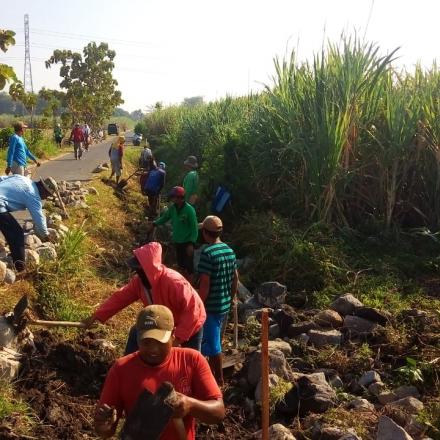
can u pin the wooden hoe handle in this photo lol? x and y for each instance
(57, 323)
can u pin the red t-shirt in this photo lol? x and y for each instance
(185, 368)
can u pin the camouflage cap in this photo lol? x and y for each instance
(49, 184)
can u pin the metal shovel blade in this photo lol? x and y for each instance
(20, 309)
(149, 416)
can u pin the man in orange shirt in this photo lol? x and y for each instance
(156, 362)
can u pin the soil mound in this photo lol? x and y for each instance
(56, 372)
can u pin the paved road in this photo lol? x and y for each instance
(67, 168)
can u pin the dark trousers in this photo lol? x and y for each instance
(14, 236)
(132, 344)
(185, 261)
(153, 205)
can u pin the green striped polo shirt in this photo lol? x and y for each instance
(218, 261)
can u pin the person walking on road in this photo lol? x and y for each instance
(218, 287)
(58, 135)
(185, 229)
(116, 153)
(86, 131)
(155, 283)
(18, 193)
(18, 152)
(77, 136)
(191, 180)
(156, 362)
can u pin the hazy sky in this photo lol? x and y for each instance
(171, 49)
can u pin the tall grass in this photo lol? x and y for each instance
(342, 139)
(58, 279)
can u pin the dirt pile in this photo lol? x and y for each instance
(61, 382)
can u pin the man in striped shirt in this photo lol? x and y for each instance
(218, 286)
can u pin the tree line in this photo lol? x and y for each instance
(88, 91)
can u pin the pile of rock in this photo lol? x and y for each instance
(73, 194)
(35, 249)
(312, 391)
(347, 318)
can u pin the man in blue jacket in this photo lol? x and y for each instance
(18, 193)
(18, 152)
(153, 186)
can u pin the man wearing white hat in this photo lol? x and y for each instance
(18, 193)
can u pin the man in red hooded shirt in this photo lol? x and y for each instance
(157, 284)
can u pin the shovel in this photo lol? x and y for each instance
(235, 305)
(151, 414)
(124, 182)
(21, 314)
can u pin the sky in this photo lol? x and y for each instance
(168, 50)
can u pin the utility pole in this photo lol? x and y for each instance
(28, 85)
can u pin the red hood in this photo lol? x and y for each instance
(150, 258)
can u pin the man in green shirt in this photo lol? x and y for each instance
(185, 229)
(191, 180)
(218, 286)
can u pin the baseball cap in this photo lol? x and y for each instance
(162, 165)
(191, 161)
(50, 184)
(212, 223)
(156, 322)
(19, 125)
(177, 191)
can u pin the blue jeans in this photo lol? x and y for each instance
(195, 342)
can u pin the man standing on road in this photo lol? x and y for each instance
(218, 286)
(86, 131)
(191, 180)
(58, 135)
(185, 229)
(18, 152)
(16, 194)
(77, 136)
(156, 362)
(157, 284)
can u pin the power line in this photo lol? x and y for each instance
(125, 69)
(118, 54)
(73, 36)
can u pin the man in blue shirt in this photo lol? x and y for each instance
(16, 194)
(18, 152)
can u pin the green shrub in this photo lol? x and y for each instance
(304, 261)
(141, 128)
(5, 134)
(57, 278)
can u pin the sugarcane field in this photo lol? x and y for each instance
(251, 251)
